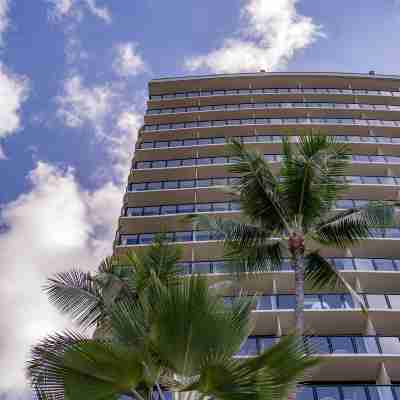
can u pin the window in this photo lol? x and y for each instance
(344, 263)
(134, 211)
(342, 344)
(344, 204)
(389, 345)
(203, 207)
(201, 267)
(173, 163)
(204, 182)
(376, 301)
(187, 184)
(146, 238)
(264, 303)
(183, 236)
(305, 393)
(170, 184)
(186, 208)
(220, 206)
(364, 264)
(138, 187)
(154, 185)
(188, 162)
(220, 267)
(383, 264)
(150, 210)
(312, 302)
(203, 142)
(332, 301)
(354, 393)
(380, 393)
(286, 301)
(202, 236)
(327, 393)
(249, 347)
(366, 344)
(176, 143)
(266, 343)
(147, 145)
(168, 209)
(394, 300)
(319, 344)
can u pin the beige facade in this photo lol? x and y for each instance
(180, 164)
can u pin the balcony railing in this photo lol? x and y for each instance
(241, 92)
(273, 158)
(274, 106)
(229, 181)
(341, 263)
(161, 144)
(212, 207)
(272, 122)
(205, 236)
(349, 392)
(388, 345)
(325, 301)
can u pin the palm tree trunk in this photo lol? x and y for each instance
(298, 266)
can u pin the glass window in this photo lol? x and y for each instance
(361, 203)
(201, 236)
(218, 140)
(387, 180)
(265, 343)
(366, 344)
(332, 301)
(354, 393)
(151, 210)
(342, 344)
(392, 232)
(170, 184)
(249, 139)
(394, 300)
(312, 302)
(147, 145)
(201, 267)
(286, 301)
(220, 160)
(382, 264)
(183, 236)
(204, 142)
(139, 187)
(219, 181)
(154, 185)
(327, 393)
(159, 164)
(134, 211)
(203, 207)
(370, 180)
(185, 208)
(168, 209)
(173, 163)
(204, 161)
(220, 267)
(344, 204)
(344, 263)
(220, 206)
(188, 162)
(176, 143)
(305, 393)
(187, 183)
(235, 205)
(145, 238)
(264, 303)
(249, 347)
(203, 182)
(319, 344)
(376, 301)
(364, 264)
(390, 345)
(129, 239)
(380, 393)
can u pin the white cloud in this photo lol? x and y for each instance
(80, 104)
(75, 9)
(127, 61)
(53, 227)
(13, 92)
(270, 34)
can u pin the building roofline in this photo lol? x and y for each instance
(258, 74)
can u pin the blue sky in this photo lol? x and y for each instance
(73, 83)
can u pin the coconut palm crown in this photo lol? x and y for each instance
(165, 332)
(291, 214)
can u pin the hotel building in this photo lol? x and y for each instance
(181, 163)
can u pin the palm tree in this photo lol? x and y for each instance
(293, 214)
(174, 334)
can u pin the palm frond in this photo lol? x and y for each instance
(71, 366)
(320, 273)
(271, 375)
(75, 293)
(349, 227)
(258, 188)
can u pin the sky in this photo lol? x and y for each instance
(73, 88)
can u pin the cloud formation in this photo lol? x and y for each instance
(270, 33)
(55, 226)
(76, 9)
(128, 62)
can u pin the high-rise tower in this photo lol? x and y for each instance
(180, 162)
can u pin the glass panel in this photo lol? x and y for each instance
(394, 300)
(382, 264)
(173, 163)
(201, 267)
(328, 393)
(319, 344)
(305, 393)
(176, 143)
(342, 344)
(154, 185)
(220, 267)
(202, 236)
(264, 303)
(390, 345)
(159, 164)
(376, 301)
(366, 344)
(203, 207)
(264, 343)
(188, 162)
(249, 347)
(168, 209)
(286, 301)
(354, 393)
(220, 206)
(380, 393)
(187, 184)
(186, 208)
(332, 301)
(151, 210)
(344, 204)
(145, 238)
(134, 211)
(203, 182)
(183, 236)
(344, 263)
(364, 264)
(170, 184)
(312, 302)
